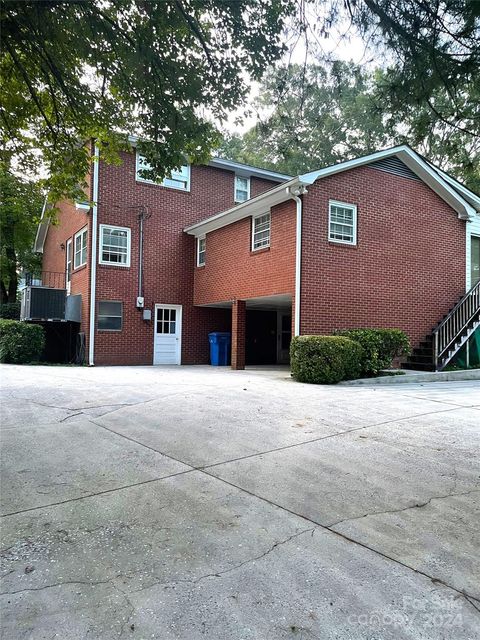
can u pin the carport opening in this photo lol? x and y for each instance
(267, 336)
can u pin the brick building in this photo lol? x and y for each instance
(385, 240)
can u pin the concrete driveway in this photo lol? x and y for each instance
(191, 502)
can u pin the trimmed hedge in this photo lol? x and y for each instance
(325, 359)
(20, 342)
(380, 346)
(10, 310)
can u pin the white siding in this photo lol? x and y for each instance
(473, 229)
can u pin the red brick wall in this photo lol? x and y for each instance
(169, 258)
(67, 222)
(233, 271)
(407, 270)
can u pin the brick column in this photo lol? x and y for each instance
(238, 334)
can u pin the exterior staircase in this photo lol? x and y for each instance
(449, 336)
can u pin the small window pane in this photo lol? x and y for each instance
(242, 189)
(109, 316)
(342, 223)
(261, 231)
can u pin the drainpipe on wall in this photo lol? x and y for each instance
(294, 194)
(93, 270)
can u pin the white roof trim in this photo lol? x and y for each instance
(463, 203)
(253, 207)
(469, 195)
(239, 168)
(42, 230)
(413, 161)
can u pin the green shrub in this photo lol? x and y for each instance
(380, 347)
(325, 359)
(10, 310)
(20, 342)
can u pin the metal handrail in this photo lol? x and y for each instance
(50, 279)
(454, 324)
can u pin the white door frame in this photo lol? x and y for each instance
(178, 308)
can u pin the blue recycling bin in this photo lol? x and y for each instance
(220, 345)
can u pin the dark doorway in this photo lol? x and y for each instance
(261, 337)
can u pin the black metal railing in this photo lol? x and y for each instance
(50, 279)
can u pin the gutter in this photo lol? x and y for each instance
(93, 269)
(294, 194)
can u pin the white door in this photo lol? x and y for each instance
(168, 334)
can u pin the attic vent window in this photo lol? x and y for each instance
(342, 223)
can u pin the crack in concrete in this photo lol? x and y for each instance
(419, 505)
(55, 584)
(349, 539)
(218, 574)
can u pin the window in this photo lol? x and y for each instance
(80, 256)
(178, 179)
(201, 250)
(342, 223)
(242, 189)
(68, 269)
(166, 320)
(475, 260)
(110, 316)
(261, 232)
(114, 245)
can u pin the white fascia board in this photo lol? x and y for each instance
(471, 197)
(239, 168)
(256, 206)
(42, 229)
(246, 170)
(414, 162)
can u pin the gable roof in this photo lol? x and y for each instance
(461, 199)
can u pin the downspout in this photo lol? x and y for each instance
(294, 194)
(93, 268)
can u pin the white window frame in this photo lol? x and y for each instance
(138, 178)
(99, 315)
(84, 244)
(247, 178)
(254, 231)
(68, 262)
(100, 248)
(204, 251)
(346, 205)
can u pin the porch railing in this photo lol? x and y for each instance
(455, 329)
(50, 279)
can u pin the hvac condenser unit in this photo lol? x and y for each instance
(43, 303)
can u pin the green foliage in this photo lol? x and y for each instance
(165, 71)
(380, 347)
(325, 359)
(20, 342)
(315, 116)
(20, 209)
(10, 310)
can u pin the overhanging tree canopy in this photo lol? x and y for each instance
(165, 70)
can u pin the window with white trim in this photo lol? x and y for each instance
(178, 178)
(110, 315)
(342, 222)
(242, 188)
(261, 232)
(201, 251)
(80, 245)
(115, 245)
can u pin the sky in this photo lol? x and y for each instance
(342, 44)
